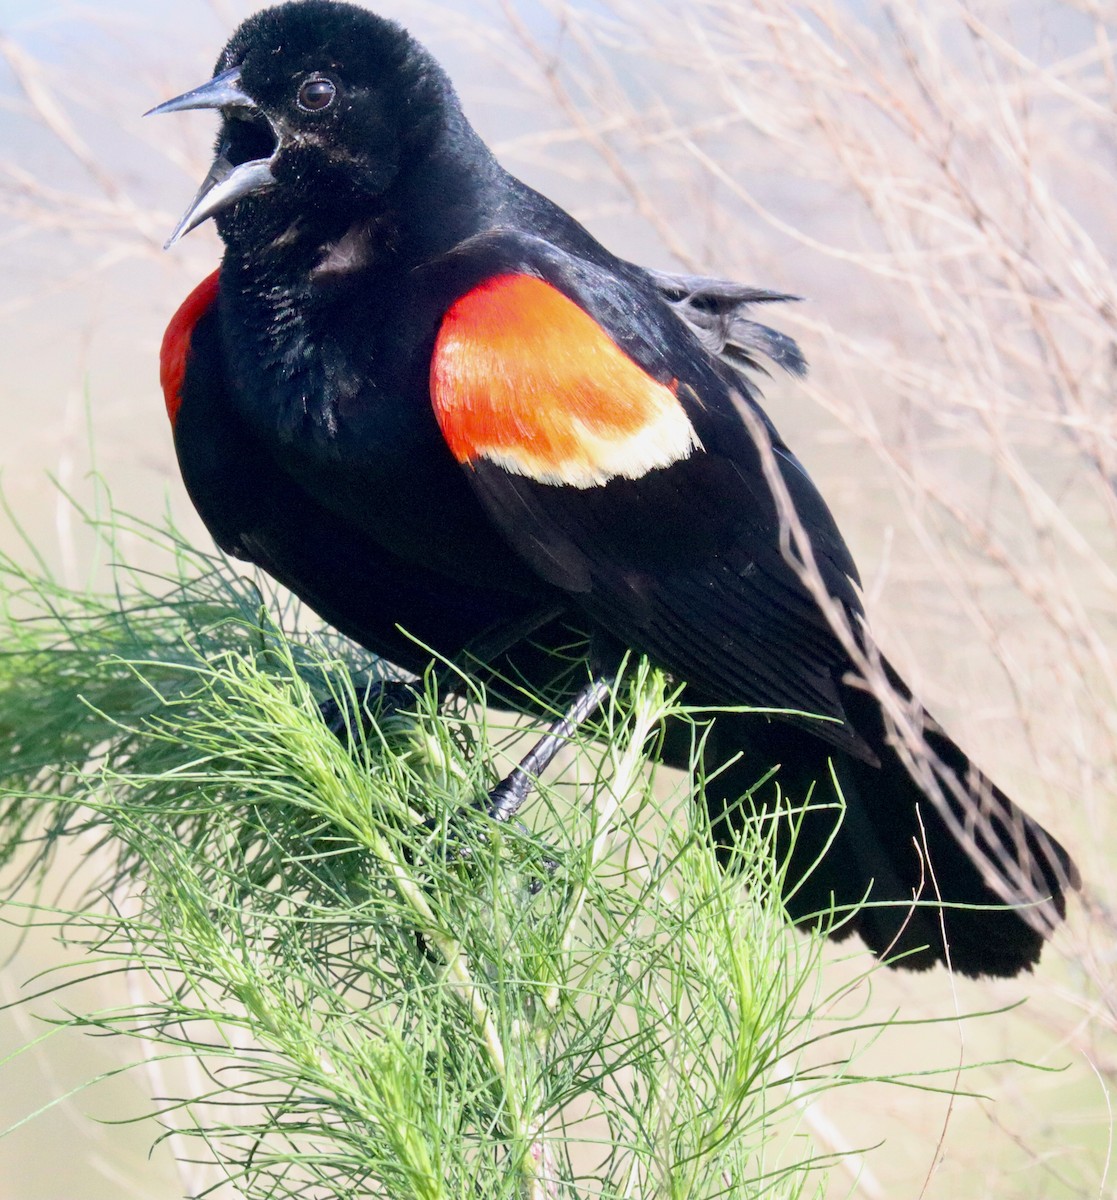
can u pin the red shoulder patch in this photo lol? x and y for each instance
(524, 377)
(176, 341)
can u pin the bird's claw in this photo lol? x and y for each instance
(377, 700)
(500, 805)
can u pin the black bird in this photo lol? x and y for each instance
(423, 397)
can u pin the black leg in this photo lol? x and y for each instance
(508, 795)
(384, 697)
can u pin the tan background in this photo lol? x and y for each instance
(940, 185)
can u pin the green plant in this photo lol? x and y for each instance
(386, 993)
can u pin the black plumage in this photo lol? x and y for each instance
(359, 211)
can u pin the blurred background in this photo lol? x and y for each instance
(937, 181)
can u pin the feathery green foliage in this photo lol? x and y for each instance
(387, 993)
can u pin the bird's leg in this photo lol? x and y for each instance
(386, 697)
(508, 795)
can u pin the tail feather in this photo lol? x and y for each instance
(979, 888)
(871, 847)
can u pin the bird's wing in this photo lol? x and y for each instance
(607, 447)
(719, 313)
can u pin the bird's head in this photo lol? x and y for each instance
(323, 104)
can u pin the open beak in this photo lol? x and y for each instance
(225, 184)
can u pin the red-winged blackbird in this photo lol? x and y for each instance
(423, 397)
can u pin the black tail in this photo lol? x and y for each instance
(876, 836)
(885, 842)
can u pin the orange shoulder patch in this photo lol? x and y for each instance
(523, 377)
(176, 341)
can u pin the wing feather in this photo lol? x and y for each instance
(678, 559)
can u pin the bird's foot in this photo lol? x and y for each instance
(465, 835)
(507, 798)
(376, 700)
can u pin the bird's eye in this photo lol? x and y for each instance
(316, 95)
